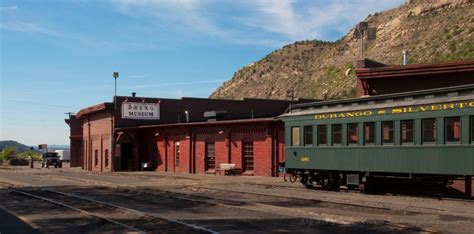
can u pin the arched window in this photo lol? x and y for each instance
(96, 157)
(210, 156)
(247, 156)
(106, 154)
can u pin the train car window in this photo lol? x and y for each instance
(369, 133)
(429, 130)
(472, 128)
(452, 129)
(407, 131)
(322, 135)
(387, 132)
(337, 134)
(352, 135)
(295, 136)
(308, 135)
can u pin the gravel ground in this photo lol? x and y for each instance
(243, 204)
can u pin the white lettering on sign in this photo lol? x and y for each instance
(138, 110)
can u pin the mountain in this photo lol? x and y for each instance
(19, 147)
(431, 30)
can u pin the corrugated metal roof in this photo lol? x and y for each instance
(375, 102)
(414, 102)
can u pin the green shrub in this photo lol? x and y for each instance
(7, 153)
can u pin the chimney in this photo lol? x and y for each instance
(134, 94)
(405, 57)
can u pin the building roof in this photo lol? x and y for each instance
(374, 102)
(94, 108)
(236, 121)
(371, 72)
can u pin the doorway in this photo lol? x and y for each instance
(126, 151)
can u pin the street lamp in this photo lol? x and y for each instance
(116, 75)
(112, 140)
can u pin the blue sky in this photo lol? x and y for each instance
(58, 56)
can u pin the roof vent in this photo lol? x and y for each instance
(215, 115)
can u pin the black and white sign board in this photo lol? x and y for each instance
(140, 110)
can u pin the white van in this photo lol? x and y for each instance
(64, 155)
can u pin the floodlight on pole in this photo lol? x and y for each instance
(112, 142)
(116, 75)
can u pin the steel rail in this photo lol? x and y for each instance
(10, 187)
(289, 211)
(78, 210)
(133, 211)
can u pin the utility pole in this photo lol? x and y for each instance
(112, 139)
(363, 30)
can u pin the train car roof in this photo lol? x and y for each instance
(450, 94)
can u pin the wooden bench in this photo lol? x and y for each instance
(228, 169)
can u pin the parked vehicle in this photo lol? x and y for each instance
(51, 159)
(64, 155)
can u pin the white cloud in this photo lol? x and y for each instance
(28, 27)
(256, 21)
(299, 20)
(140, 76)
(195, 16)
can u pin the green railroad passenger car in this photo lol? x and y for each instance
(416, 135)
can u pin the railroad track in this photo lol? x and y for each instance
(294, 212)
(420, 195)
(128, 219)
(259, 206)
(308, 216)
(343, 202)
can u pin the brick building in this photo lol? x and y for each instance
(188, 135)
(194, 135)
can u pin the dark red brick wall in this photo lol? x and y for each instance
(267, 138)
(76, 156)
(96, 136)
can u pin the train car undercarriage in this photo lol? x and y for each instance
(365, 181)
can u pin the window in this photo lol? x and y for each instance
(352, 135)
(452, 129)
(369, 133)
(177, 152)
(210, 157)
(322, 135)
(407, 131)
(96, 157)
(387, 132)
(295, 136)
(106, 158)
(472, 128)
(429, 130)
(308, 135)
(247, 155)
(336, 134)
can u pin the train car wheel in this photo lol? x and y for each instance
(292, 177)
